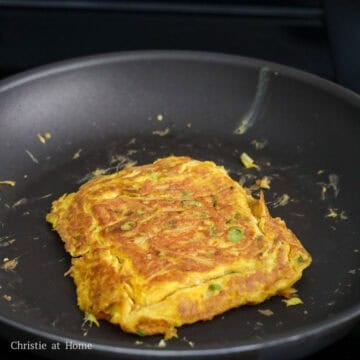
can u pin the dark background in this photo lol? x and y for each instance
(321, 37)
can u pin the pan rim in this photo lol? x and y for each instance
(293, 336)
(75, 63)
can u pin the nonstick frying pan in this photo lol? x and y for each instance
(64, 123)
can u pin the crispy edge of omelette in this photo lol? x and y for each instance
(112, 297)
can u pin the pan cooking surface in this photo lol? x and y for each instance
(66, 123)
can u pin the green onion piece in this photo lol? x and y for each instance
(140, 332)
(139, 212)
(188, 203)
(154, 176)
(213, 230)
(247, 161)
(237, 215)
(235, 234)
(127, 226)
(214, 287)
(300, 259)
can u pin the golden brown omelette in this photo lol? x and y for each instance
(171, 243)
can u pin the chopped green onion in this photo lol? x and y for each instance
(139, 212)
(237, 215)
(213, 230)
(247, 161)
(140, 332)
(300, 259)
(127, 226)
(154, 176)
(188, 203)
(214, 287)
(235, 234)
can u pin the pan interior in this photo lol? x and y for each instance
(60, 129)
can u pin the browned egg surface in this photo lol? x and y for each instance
(170, 243)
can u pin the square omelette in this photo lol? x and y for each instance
(173, 242)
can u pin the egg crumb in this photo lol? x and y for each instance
(162, 343)
(293, 301)
(266, 312)
(8, 182)
(263, 183)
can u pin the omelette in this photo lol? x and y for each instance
(173, 242)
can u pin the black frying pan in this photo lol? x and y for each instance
(103, 110)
